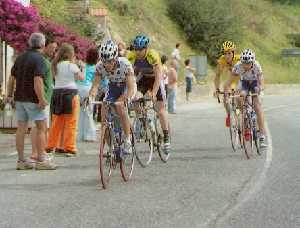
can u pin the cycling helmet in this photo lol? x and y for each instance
(108, 51)
(141, 42)
(228, 46)
(247, 56)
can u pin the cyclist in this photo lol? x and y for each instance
(119, 72)
(252, 80)
(148, 71)
(225, 64)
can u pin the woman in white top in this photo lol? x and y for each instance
(65, 102)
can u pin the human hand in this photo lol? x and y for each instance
(42, 104)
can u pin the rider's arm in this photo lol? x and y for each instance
(11, 86)
(96, 81)
(261, 81)
(217, 79)
(158, 77)
(130, 84)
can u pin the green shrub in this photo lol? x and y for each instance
(206, 23)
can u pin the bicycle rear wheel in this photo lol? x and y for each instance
(127, 161)
(159, 140)
(106, 156)
(144, 142)
(247, 134)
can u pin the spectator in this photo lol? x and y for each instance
(189, 73)
(86, 125)
(65, 101)
(122, 51)
(28, 74)
(176, 56)
(172, 88)
(165, 70)
(48, 54)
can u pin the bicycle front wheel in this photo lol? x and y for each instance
(256, 140)
(247, 134)
(159, 140)
(144, 142)
(127, 161)
(106, 156)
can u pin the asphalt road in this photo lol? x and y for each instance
(204, 184)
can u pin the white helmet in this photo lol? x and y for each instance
(108, 51)
(247, 56)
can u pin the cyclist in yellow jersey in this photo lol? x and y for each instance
(225, 64)
(148, 71)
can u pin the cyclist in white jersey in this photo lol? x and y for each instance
(252, 80)
(120, 74)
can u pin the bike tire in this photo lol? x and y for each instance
(106, 157)
(234, 131)
(127, 162)
(159, 140)
(145, 148)
(247, 142)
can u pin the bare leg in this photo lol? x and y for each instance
(40, 138)
(20, 137)
(124, 119)
(260, 115)
(34, 153)
(162, 113)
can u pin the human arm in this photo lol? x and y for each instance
(95, 85)
(217, 79)
(158, 77)
(130, 84)
(39, 91)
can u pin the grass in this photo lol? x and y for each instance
(265, 26)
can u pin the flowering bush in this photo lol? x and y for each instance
(62, 35)
(18, 22)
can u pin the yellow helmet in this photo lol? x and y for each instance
(228, 46)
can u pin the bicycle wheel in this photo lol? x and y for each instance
(127, 161)
(247, 135)
(159, 140)
(106, 156)
(234, 131)
(144, 142)
(256, 140)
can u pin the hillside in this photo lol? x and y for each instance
(264, 28)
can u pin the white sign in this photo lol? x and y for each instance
(24, 2)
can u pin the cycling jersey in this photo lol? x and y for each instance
(117, 79)
(144, 67)
(250, 75)
(223, 64)
(120, 73)
(144, 72)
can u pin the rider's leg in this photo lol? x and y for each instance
(260, 115)
(162, 114)
(125, 124)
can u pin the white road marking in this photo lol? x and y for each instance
(252, 187)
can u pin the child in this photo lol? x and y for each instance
(189, 74)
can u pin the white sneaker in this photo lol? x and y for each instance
(127, 146)
(167, 146)
(262, 141)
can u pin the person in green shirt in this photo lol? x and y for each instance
(48, 54)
